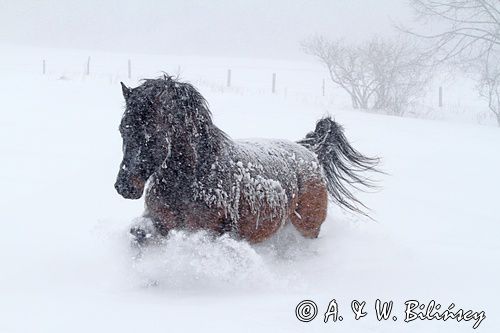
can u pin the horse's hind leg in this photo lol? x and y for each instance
(311, 208)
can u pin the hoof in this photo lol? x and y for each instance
(139, 235)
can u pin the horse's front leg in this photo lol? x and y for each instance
(143, 230)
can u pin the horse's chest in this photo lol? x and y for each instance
(172, 192)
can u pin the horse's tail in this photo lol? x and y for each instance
(342, 164)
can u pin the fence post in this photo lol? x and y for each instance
(274, 83)
(228, 82)
(323, 88)
(88, 66)
(440, 97)
(129, 67)
(43, 66)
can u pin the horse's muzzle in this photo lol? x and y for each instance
(132, 189)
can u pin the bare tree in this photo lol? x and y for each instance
(401, 73)
(468, 35)
(467, 29)
(345, 65)
(377, 74)
(489, 83)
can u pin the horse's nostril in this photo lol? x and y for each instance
(128, 190)
(121, 188)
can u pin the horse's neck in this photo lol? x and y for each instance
(183, 153)
(191, 156)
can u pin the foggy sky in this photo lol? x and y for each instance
(262, 28)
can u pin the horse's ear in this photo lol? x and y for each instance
(125, 90)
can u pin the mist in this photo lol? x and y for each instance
(193, 27)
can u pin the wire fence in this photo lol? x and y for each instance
(293, 80)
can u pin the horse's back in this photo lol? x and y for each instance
(274, 150)
(276, 156)
(277, 164)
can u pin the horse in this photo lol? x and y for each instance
(198, 178)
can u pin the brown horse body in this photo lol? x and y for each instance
(269, 182)
(198, 178)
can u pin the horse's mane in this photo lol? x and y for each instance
(173, 93)
(184, 91)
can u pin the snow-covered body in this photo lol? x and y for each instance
(260, 179)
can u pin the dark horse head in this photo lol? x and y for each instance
(163, 117)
